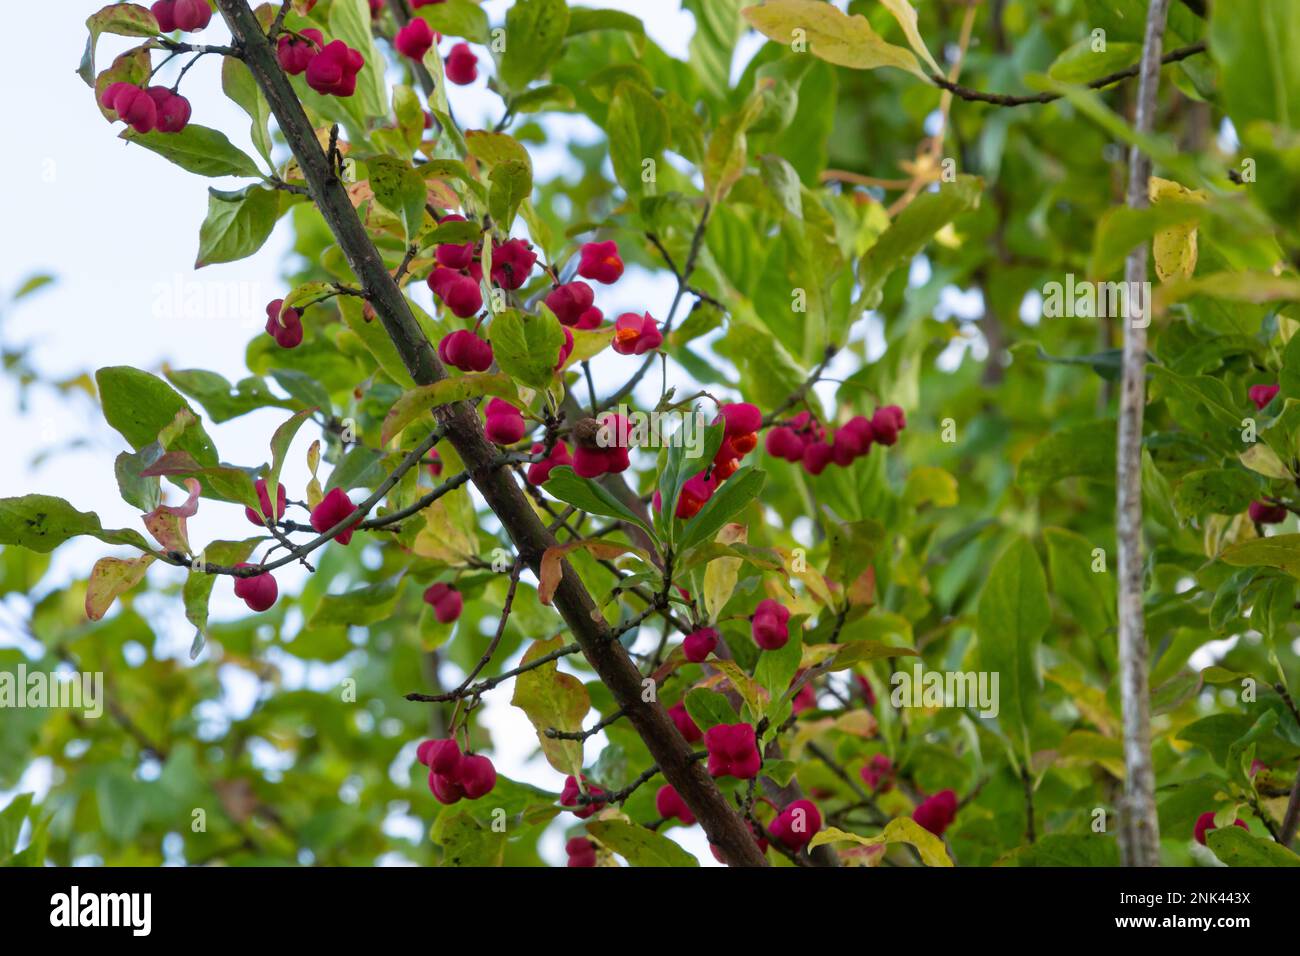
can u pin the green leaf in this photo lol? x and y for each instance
(197, 589)
(359, 607)
(197, 149)
(1216, 734)
(221, 400)
(552, 698)
(535, 31)
(42, 522)
(1012, 618)
(511, 185)
(122, 19)
(776, 669)
(1121, 229)
(11, 823)
(454, 233)
(494, 149)
(417, 401)
(908, 234)
(400, 190)
(735, 494)
(1218, 491)
(591, 497)
(1253, 42)
(679, 469)
(780, 177)
(1067, 849)
(1086, 450)
(280, 442)
(224, 482)
(1088, 595)
(708, 708)
(637, 128)
(1235, 847)
(140, 406)
(33, 284)
(457, 18)
(237, 82)
(637, 845)
(1281, 551)
(466, 842)
(1080, 63)
(237, 224)
(527, 346)
(583, 20)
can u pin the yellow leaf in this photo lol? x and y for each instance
(754, 696)
(1174, 248)
(551, 698)
(898, 830)
(905, 14)
(721, 574)
(829, 35)
(111, 577)
(1263, 460)
(441, 538)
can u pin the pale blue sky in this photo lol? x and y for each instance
(119, 227)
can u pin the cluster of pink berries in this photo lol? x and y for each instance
(605, 451)
(417, 38)
(671, 806)
(188, 16)
(733, 751)
(503, 423)
(259, 591)
(284, 325)
(1261, 395)
(937, 812)
(539, 472)
(574, 302)
(454, 776)
(685, 725)
(572, 790)
(878, 774)
(581, 851)
(699, 644)
(446, 601)
(804, 439)
(797, 824)
(770, 625)
(147, 110)
(333, 508)
(331, 68)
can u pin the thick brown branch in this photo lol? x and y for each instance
(496, 484)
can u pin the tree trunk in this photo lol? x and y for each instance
(1139, 834)
(720, 821)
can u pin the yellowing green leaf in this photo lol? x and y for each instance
(1174, 249)
(551, 698)
(829, 35)
(898, 830)
(111, 577)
